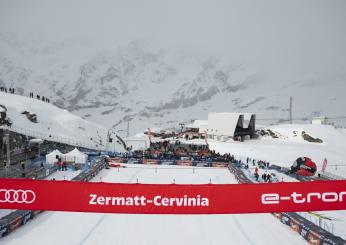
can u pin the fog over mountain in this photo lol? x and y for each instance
(155, 63)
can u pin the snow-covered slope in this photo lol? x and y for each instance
(290, 145)
(155, 87)
(47, 121)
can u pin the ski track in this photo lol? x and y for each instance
(242, 231)
(236, 221)
(104, 215)
(92, 230)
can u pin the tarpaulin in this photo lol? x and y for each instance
(27, 194)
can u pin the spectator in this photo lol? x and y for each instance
(269, 178)
(256, 176)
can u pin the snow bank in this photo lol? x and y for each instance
(53, 123)
(290, 145)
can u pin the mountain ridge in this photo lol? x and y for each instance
(153, 87)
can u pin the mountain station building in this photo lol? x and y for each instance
(227, 125)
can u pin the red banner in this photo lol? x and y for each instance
(172, 198)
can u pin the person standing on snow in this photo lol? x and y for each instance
(269, 178)
(256, 176)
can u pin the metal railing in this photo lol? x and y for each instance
(51, 137)
(330, 176)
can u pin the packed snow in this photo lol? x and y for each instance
(64, 175)
(290, 145)
(53, 123)
(284, 150)
(93, 228)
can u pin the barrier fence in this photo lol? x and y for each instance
(170, 198)
(51, 137)
(311, 232)
(194, 163)
(14, 220)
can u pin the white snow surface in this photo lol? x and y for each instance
(64, 175)
(334, 221)
(53, 123)
(94, 228)
(287, 148)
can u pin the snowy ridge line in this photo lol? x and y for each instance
(331, 176)
(14, 220)
(312, 233)
(53, 138)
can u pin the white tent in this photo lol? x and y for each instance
(51, 157)
(36, 141)
(76, 156)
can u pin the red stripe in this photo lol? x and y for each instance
(222, 199)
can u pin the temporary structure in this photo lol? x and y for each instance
(75, 156)
(51, 158)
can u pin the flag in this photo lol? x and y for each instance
(324, 164)
(149, 134)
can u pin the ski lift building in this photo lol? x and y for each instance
(227, 125)
(199, 126)
(320, 120)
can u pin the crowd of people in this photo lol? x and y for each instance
(39, 97)
(257, 164)
(4, 89)
(31, 94)
(62, 166)
(266, 177)
(175, 151)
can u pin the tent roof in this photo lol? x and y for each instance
(36, 141)
(75, 152)
(54, 153)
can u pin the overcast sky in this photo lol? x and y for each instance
(300, 34)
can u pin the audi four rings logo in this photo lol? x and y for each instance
(17, 196)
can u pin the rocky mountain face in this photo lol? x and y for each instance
(158, 88)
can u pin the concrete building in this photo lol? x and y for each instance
(320, 120)
(198, 126)
(224, 126)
